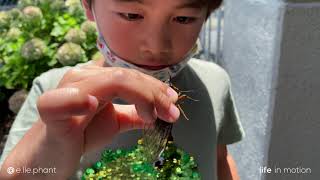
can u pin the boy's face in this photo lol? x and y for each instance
(149, 32)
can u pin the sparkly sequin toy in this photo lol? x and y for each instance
(131, 164)
(155, 156)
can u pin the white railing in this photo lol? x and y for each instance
(211, 37)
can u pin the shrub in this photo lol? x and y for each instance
(36, 35)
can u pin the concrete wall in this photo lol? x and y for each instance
(296, 118)
(272, 53)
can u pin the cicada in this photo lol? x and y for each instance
(155, 138)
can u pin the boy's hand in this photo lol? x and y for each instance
(72, 111)
(78, 117)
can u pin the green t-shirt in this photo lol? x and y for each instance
(213, 119)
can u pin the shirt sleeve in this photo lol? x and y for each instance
(25, 118)
(28, 113)
(231, 129)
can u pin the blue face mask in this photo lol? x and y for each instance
(162, 74)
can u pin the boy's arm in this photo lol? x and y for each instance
(227, 169)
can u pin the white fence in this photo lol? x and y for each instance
(211, 37)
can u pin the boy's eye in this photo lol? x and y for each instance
(130, 16)
(184, 19)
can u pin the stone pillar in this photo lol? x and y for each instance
(272, 53)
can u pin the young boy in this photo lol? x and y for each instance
(71, 113)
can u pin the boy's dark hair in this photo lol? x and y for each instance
(212, 4)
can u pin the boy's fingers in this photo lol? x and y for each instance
(146, 92)
(62, 103)
(170, 113)
(134, 88)
(78, 74)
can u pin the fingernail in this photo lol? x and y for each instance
(155, 114)
(93, 100)
(171, 92)
(174, 112)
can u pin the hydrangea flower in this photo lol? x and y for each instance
(89, 28)
(32, 14)
(16, 100)
(57, 5)
(15, 13)
(74, 6)
(75, 36)
(4, 21)
(70, 3)
(13, 33)
(33, 49)
(24, 3)
(70, 54)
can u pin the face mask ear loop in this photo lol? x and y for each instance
(95, 17)
(98, 28)
(101, 38)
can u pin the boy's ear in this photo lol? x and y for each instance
(88, 10)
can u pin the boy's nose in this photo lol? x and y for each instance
(156, 42)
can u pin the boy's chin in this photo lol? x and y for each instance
(100, 62)
(152, 67)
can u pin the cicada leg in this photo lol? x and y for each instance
(186, 97)
(181, 110)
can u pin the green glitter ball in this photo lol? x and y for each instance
(132, 164)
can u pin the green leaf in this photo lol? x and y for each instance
(57, 31)
(52, 62)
